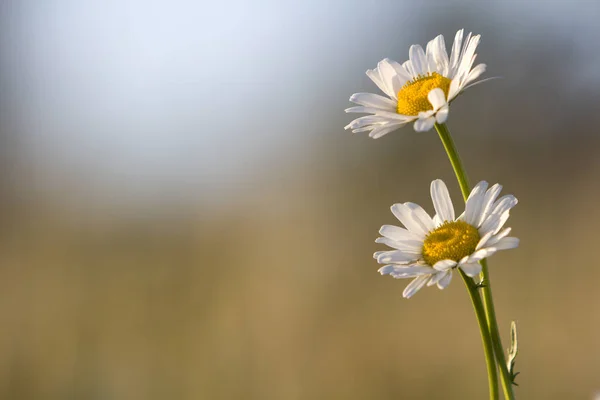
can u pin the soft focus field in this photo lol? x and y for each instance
(183, 216)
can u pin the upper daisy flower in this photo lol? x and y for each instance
(430, 248)
(418, 90)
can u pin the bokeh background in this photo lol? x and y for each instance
(184, 217)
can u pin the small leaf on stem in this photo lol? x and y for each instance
(512, 352)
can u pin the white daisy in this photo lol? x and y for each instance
(419, 90)
(430, 248)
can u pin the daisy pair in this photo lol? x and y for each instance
(429, 249)
(418, 90)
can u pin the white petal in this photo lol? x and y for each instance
(441, 200)
(385, 129)
(454, 89)
(423, 125)
(363, 109)
(397, 117)
(391, 116)
(408, 246)
(378, 253)
(431, 66)
(488, 203)
(481, 254)
(438, 49)
(435, 278)
(507, 243)
(484, 239)
(442, 114)
(364, 129)
(425, 114)
(445, 281)
(401, 272)
(421, 216)
(403, 74)
(456, 49)
(407, 65)
(466, 43)
(390, 77)
(463, 74)
(495, 239)
(457, 67)
(444, 265)
(467, 59)
(366, 121)
(494, 223)
(373, 100)
(505, 203)
(471, 269)
(415, 286)
(418, 59)
(396, 256)
(474, 203)
(437, 98)
(405, 215)
(474, 74)
(376, 77)
(398, 234)
(385, 270)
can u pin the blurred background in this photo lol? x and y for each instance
(183, 215)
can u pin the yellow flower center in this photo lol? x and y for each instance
(412, 97)
(450, 241)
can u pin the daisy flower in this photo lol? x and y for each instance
(429, 249)
(419, 90)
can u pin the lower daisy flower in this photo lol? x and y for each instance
(429, 249)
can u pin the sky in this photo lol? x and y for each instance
(135, 100)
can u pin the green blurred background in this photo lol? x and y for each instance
(184, 217)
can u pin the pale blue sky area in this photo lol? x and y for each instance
(158, 98)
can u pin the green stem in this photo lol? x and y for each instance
(461, 174)
(488, 301)
(490, 312)
(490, 361)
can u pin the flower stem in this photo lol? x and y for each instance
(488, 302)
(490, 312)
(490, 361)
(461, 174)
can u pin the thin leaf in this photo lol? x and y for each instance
(512, 352)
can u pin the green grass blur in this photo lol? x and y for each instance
(275, 295)
(252, 278)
